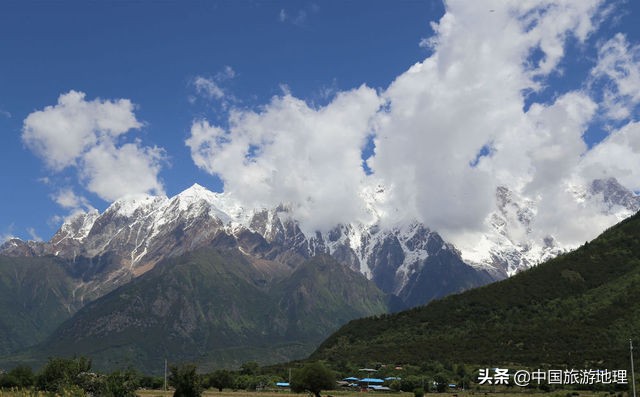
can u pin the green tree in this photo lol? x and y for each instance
(245, 382)
(313, 377)
(185, 380)
(151, 382)
(441, 383)
(395, 385)
(249, 368)
(89, 382)
(121, 384)
(62, 373)
(220, 379)
(20, 377)
(411, 382)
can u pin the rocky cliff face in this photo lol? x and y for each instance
(109, 249)
(411, 261)
(614, 196)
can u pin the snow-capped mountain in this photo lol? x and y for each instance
(134, 234)
(511, 244)
(410, 261)
(198, 249)
(614, 197)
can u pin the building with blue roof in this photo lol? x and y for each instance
(372, 380)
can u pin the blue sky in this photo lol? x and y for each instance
(181, 63)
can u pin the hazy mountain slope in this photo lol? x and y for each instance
(578, 309)
(218, 308)
(36, 295)
(322, 293)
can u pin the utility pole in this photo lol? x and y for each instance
(633, 377)
(165, 374)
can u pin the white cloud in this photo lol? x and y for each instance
(468, 96)
(226, 74)
(300, 17)
(32, 233)
(424, 43)
(450, 130)
(87, 136)
(5, 113)
(68, 199)
(7, 234)
(619, 65)
(60, 134)
(111, 171)
(617, 156)
(211, 88)
(208, 88)
(292, 153)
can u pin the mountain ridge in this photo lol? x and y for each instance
(578, 309)
(94, 254)
(216, 307)
(136, 221)
(136, 233)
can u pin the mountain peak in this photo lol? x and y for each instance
(222, 205)
(127, 206)
(77, 226)
(614, 194)
(197, 192)
(196, 187)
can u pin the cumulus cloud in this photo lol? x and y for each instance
(88, 137)
(616, 156)
(289, 152)
(68, 199)
(113, 172)
(469, 97)
(60, 134)
(447, 132)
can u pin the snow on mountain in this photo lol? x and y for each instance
(511, 244)
(614, 197)
(408, 260)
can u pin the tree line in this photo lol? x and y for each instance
(74, 377)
